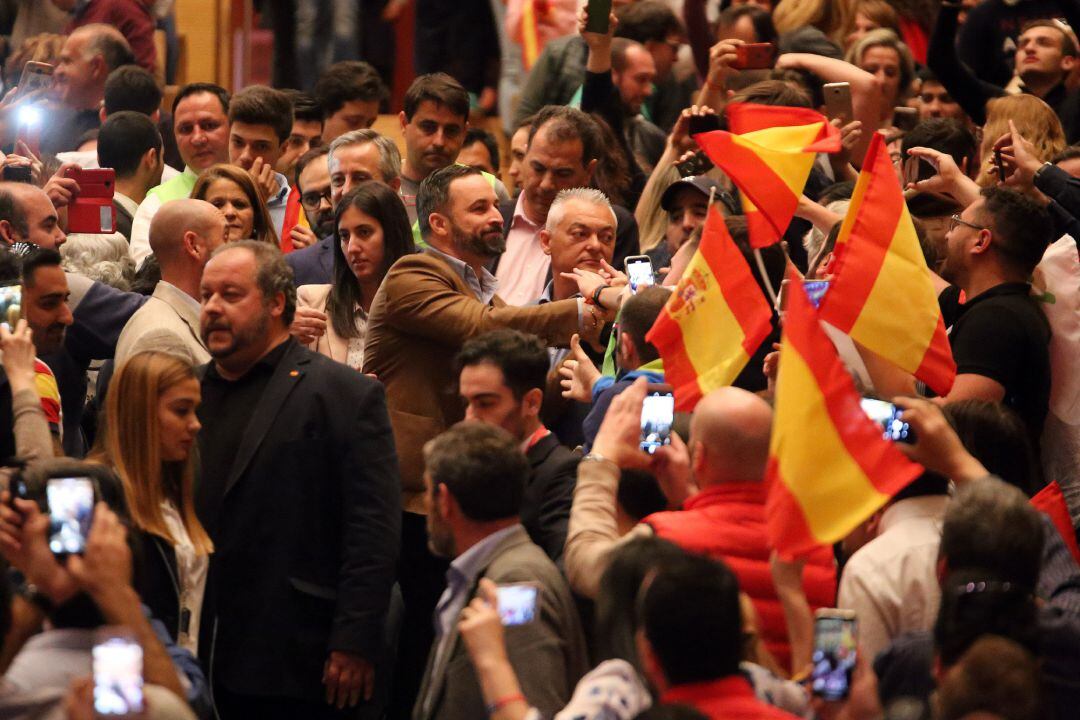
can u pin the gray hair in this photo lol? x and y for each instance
(272, 274)
(558, 206)
(99, 257)
(389, 155)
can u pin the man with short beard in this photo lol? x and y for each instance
(428, 305)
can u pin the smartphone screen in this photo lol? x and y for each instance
(656, 415)
(517, 603)
(118, 677)
(10, 305)
(599, 16)
(890, 418)
(815, 290)
(639, 270)
(834, 656)
(35, 76)
(71, 508)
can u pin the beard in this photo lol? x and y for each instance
(440, 539)
(324, 224)
(237, 338)
(486, 242)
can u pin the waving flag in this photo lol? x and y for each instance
(829, 466)
(768, 154)
(714, 321)
(881, 293)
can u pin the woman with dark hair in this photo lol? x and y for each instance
(373, 232)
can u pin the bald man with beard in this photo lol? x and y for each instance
(716, 480)
(183, 235)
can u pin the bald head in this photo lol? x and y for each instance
(185, 232)
(730, 434)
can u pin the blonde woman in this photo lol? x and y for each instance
(148, 441)
(1034, 119)
(882, 54)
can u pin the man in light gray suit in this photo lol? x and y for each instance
(183, 235)
(475, 475)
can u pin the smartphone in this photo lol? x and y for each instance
(696, 164)
(92, 211)
(35, 76)
(835, 648)
(917, 168)
(905, 118)
(838, 101)
(999, 165)
(10, 305)
(815, 290)
(890, 418)
(702, 124)
(657, 414)
(118, 675)
(754, 56)
(640, 271)
(517, 603)
(17, 173)
(599, 16)
(71, 509)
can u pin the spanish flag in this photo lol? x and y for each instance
(768, 154)
(714, 320)
(829, 466)
(881, 293)
(531, 43)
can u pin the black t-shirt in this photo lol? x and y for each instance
(1002, 334)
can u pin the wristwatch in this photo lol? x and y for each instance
(30, 592)
(1040, 171)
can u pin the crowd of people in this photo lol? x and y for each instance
(361, 418)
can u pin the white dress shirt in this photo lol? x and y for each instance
(891, 582)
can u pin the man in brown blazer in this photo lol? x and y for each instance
(475, 485)
(428, 305)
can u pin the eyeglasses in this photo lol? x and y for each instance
(313, 198)
(955, 220)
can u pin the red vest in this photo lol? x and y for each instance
(727, 522)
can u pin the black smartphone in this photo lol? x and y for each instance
(517, 603)
(599, 16)
(17, 173)
(697, 164)
(890, 418)
(703, 124)
(999, 165)
(71, 510)
(639, 270)
(917, 168)
(657, 414)
(835, 648)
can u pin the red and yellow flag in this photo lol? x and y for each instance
(829, 466)
(716, 318)
(881, 293)
(768, 154)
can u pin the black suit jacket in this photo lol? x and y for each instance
(626, 233)
(306, 529)
(549, 493)
(123, 220)
(313, 265)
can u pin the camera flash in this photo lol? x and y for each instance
(29, 115)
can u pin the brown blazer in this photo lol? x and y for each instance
(421, 316)
(547, 654)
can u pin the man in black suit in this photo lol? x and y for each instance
(130, 144)
(502, 380)
(299, 492)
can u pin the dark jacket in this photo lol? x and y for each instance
(555, 78)
(156, 578)
(306, 529)
(313, 265)
(123, 220)
(626, 233)
(549, 493)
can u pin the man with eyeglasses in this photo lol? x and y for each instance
(323, 176)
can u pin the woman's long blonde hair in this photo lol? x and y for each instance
(130, 443)
(1034, 120)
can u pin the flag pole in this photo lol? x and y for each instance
(765, 277)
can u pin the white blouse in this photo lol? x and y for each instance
(192, 569)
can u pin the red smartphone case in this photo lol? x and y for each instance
(92, 211)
